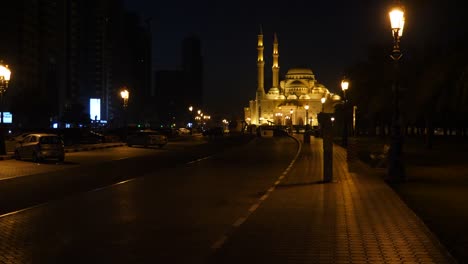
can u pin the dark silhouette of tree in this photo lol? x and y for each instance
(371, 89)
(434, 88)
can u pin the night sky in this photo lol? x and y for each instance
(326, 36)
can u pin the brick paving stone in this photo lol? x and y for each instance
(355, 219)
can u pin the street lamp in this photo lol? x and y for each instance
(5, 75)
(344, 87)
(191, 119)
(291, 112)
(396, 170)
(307, 113)
(323, 100)
(125, 95)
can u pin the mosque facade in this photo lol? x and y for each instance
(296, 100)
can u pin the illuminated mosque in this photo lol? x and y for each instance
(293, 100)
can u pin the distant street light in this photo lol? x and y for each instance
(291, 112)
(323, 100)
(307, 113)
(344, 87)
(125, 95)
(5, 75)
(191, 119)
(396, 169)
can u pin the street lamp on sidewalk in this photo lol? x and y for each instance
(191, 119)
(323, 100)
(5, 75)
(396, 169)
(307, 114)
(344, 87)
(125, 94)
(291, 113)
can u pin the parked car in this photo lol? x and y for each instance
(214, 132)
(20, 137)
(40, 146)
(183, 131)
(168, 132)
(147, 138)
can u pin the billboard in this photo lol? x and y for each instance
(6, 118)
(95, 109)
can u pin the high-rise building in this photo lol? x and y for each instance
(192, 66)
(176, 90)
(64, 52)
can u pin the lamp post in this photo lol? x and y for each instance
(191, 119)
(125, 94)
(291, 114)
(396, 170)
(5, 75)
(323, 100)
(344, 87)
(307, 114)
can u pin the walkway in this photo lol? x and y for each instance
(355, 219)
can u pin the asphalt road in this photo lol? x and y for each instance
(137, 205)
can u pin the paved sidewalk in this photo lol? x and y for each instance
(355, 219)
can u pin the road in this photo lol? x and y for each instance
(134, 205)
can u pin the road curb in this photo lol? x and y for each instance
(7, 157)
(78, 149)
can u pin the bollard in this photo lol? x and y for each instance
(327, 135)
(307, 137)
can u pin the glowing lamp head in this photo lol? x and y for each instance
(124, 94)
(344, 84)
(306, 107)
(5, 72)
(323, 100)
(291, 111)
(190, 108)
(397, 19)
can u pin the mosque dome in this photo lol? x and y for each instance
(299, 71)
(296, 83)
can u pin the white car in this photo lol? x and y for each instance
(40, 146)
(184, 131)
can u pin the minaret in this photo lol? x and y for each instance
(275, 67)
(260, 66)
